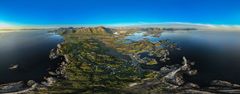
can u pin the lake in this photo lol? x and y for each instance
(29, 49)
(216, 53)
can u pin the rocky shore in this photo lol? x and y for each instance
(172, 81)
(55, 72)
(60, 59)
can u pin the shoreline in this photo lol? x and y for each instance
(220, 86)
(172, 78)
(19, 87)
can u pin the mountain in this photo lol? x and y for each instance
(182, 25)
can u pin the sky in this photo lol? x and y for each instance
(98, 12)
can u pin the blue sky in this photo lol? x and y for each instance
(79, 12)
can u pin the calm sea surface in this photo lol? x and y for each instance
(29, 50)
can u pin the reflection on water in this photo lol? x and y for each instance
(27, 49)
(216, 53)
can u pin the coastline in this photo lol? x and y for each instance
(172, 78)
(29, 86)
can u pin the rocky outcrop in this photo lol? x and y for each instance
(18, 87)
(60, 61)
(229, 91)
(190, 86)
(193, 91)
(220, 83)
(66, 58)
(55, 53)
(170, 79)
(49, 81)
(11, 87)
(57, 70)
(219, 86)
(60, 70)
(175, 75)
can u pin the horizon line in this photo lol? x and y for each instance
(9, 26)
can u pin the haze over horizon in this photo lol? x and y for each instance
(40, 13)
